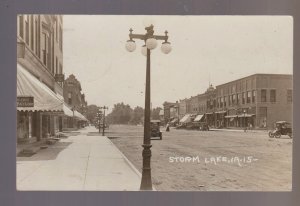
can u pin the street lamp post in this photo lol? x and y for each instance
(103, 126)
(245, 128)
(150, 43)
(99, 118)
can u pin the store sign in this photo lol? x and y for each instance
(59, 77)
(25, 101)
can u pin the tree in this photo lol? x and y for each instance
(155, 113)
(92, 112)
(137, 115)
(121, 114)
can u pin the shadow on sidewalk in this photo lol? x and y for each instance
(49, 153)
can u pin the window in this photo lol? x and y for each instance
(244, 98)
(263, 95)
(289, 95)
(272, 95)
(21, 26)
(56, 65)
(253, 95)
(69, 98)
(60, 38)
(27, 30)
(249, 97)
(31, 33)
(44, 48)
(36, 38)
(238, 97)
(233, 99)
(225, 100)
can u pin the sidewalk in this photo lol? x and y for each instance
(238, 130)
(86, 161)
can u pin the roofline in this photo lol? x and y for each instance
(257, 74)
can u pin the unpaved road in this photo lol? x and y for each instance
(211, 161)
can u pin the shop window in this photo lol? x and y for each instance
(272, 95)
(263, 95)
(289, 95)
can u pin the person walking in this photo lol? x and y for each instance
(168, 127)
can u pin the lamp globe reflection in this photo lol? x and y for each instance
(130, 45)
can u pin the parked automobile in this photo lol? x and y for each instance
(155, 129)
(203, 126)
(281, 128)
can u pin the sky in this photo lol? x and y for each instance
(205, 49)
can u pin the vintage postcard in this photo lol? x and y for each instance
(163, 103)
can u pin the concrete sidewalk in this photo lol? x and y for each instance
(86, 161)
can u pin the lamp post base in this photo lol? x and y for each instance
(146, 183)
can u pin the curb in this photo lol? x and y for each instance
(131, 165)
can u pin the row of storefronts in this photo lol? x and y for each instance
(255, 101)
(41, 113)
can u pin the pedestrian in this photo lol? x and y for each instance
(168, 127)
(250, 126)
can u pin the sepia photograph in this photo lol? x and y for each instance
(154, 103)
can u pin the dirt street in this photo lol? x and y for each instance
(211, 161)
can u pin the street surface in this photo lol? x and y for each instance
(83, 161)
(211, 161)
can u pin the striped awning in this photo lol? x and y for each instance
(186, 118)
(198, 118)
(44, 99)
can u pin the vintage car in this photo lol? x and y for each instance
(203, 126)
(155, 129)
(281, 128)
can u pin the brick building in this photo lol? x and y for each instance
(40, 106)
(258, 100)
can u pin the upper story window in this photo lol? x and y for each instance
(60, 38)
(253, 96)
(272, 95)
(244, 98)
(27, 30)
(21, 26)
(289, 95)
(263, 95)
(248, 97)
(69, 98)
(44, 47)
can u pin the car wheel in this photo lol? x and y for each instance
(271, 135)
(277, 135)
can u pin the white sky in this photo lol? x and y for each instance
(219, 48)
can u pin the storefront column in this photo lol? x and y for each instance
(38, 126)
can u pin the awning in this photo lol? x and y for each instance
(220, 112)
(174, 120)
(246, 115)
(79, 116)
(67, 110)
(186, 118)
(231, 119)
(230, 116)
(198, 118)
(43, 97)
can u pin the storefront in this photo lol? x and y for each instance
(39, 110)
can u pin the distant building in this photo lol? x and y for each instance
(258, 100)
(171, 111)
(74, 97)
